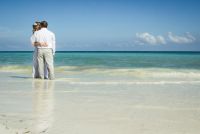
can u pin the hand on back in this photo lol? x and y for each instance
(43, 44)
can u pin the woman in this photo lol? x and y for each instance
(35, 73)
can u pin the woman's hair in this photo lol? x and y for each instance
(36, 26)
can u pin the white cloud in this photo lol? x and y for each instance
(188, 38)
(148, 38)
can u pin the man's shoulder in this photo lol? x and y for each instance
(44, 31)
(51, 32)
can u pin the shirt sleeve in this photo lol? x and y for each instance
(53, 43)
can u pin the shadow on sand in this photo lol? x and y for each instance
(21, 77)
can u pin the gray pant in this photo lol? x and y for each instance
(45, 55)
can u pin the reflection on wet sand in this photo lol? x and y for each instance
(43, 105)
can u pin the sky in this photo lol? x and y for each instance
(103, 25)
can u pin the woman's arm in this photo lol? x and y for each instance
(41, 44)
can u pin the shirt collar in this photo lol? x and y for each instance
(44, 28)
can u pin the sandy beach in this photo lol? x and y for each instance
(79, 105)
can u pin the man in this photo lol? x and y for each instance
(45, 53)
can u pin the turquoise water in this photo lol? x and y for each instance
(174, 60)
(113, 67)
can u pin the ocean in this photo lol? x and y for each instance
(172, 60)
(120, 66)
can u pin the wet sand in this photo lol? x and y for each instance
(75, 106)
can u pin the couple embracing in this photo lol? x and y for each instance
(43, 57)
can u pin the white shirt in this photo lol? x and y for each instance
(44, 35)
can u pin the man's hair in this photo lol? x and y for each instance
(43, 24)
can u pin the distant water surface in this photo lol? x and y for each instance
(174, 60)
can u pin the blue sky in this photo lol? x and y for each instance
(137, 25)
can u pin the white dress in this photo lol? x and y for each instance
(35, 72)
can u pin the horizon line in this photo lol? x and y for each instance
(107, 51)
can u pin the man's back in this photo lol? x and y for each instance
(44, 35)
